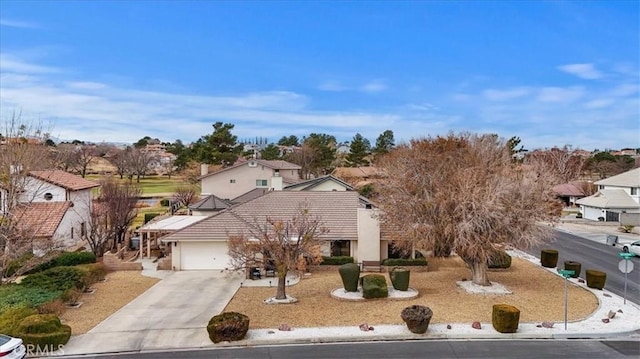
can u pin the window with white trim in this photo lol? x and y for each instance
(261, 183)
(634, 191)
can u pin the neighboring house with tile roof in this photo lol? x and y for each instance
(244, 176)
(323, 183)
(357, 176)
(53, 204)
(616, 195)
(570, 192)
(351, 219)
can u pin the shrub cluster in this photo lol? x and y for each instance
(336, 261)
(57, 278)
(66, 259)
(43, 330)
(151, 215)
(403, 262)
(10, 318)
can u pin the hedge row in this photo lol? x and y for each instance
(391, 262)
(333, 261)
(66, 259)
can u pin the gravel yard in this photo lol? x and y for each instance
(119, 289)
(537, 293)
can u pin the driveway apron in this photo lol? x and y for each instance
(171, 314)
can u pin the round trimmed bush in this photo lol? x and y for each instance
(374, 286)
(228, 326)
(595, 278)
(11, 317)
(576, 267)
(549, 258)
(43, 330)
(505, 318)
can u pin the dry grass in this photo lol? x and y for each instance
(119, 289)
(537, 293)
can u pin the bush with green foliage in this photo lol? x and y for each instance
(336, 261)
(151, 215)
(595, 278)
(92, 273)
(374, 286)
(349, 274)
(13, 295)
(66, 259)
(505, 318)
(499, 259)
(549, 258)
(11, 317)
(57, 278)
(228, 326)
(404, 262)
(43, 330)
(400, 278)
(14, 265)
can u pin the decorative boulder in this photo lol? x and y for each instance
(576, 267)
(228, 326)
(43, 330)
(374, 286)
(549, 258)
(417, 318)
(349, 273)
(400, 278)
(595, 278)
(505, 318)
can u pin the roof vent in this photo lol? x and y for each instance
(253, 164)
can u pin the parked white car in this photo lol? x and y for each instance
(632, 247)
(11, 348)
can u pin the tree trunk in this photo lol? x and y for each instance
(282, 281)
(479, 273)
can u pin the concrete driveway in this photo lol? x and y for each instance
(171, 314)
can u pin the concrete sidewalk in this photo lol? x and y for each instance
(596, 231)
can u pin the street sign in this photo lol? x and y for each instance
(566, 272)
(625, 266)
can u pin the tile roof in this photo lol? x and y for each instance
(569, 189)
(625, 179)
(249, 196)
(609, 198)
(64, 179)
(210, 203)
(338, 211)
(309, 184)
(41, 219)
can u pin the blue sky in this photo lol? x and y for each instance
(552, 73)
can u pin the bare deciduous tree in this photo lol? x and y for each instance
(464, 193)
(283, 242)
(118, 200)
(22, 150)
(184, 195)
(561, 162)
(100, 234)
(140, 162)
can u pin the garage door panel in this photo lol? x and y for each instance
(204, 256)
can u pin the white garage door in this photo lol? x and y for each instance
(204, 255)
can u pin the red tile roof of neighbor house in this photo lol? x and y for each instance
(569, 189)
(337, 210)
(41, 219)
(64, 179)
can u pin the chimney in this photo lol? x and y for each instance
(204, 169)
(276, 182)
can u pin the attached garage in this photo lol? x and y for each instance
(203, 255)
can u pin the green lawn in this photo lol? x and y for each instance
(153, 185)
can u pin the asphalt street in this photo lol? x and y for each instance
(598, 256)
(496, 349)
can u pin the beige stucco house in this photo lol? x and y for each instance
(231, 182)
(616, 195)
(353, 225)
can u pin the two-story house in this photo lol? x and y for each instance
(53, 205)
(233, 181)
(616, 195)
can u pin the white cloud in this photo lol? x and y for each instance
(599, 103)
(560, 94)
(584, 71)
(9, 63)
(503, 95)
(373, 86)
(19, 24)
